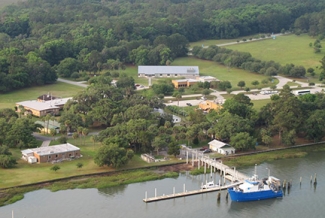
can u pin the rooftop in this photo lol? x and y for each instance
(55, 149)
(45, 105)
(218, 144)
(168, 70)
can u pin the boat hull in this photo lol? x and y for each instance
(253, 196)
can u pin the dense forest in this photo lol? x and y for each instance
(43, 39)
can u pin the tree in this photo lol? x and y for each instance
(173, 148)
(224, 85)
(55, 168)
(206, 92)
(6, 158)
(85, 132)
(63, 139)
(178, 96)
(113, 155)
(311, 71)
(243, 141)
(255, 83)
(79, 165)
(241, 84)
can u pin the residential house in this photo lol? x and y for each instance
(221, 147)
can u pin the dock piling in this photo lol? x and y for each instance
(315, 180)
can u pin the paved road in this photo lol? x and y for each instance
(234, 43)
(82, 84)
(257, 96)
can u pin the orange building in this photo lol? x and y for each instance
(209, 105)
(184, 83)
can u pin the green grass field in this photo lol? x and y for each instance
(284, 49)
(21, 173)
(58, 89)
(210, 68)
(209, 42)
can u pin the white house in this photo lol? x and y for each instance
(221, 147)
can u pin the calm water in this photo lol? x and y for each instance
(126, 201)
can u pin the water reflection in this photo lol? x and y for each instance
(112, 191)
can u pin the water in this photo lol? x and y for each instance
(126, 201)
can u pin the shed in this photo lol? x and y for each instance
(221, 147)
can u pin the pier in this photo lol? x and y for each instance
(188, 193)
(205, 161)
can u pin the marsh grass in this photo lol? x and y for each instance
(12, 195)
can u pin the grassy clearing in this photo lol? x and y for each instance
(284, 49)
(258, 104)
(292, 84)
(250, 160)
(58, 89)
(217, 41)
(210, 68)
(20, 175)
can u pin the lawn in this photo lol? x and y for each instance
(25, 173)
(258, 104)
(284, 49)
(58, 89)
(209, 42)
(210, 68)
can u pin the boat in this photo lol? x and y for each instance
(209, 185)
(254, 189)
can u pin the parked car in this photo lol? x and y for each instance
(69, 134)
(207, 151)
(188, 104)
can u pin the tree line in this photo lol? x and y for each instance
(42, 38)
(244, 60)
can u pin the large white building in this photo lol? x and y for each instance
(168, 71)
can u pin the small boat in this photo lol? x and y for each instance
(254, 189)
(209, 185)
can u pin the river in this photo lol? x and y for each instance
(126, 201)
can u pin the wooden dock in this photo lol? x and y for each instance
(188, 193)
(205, 161)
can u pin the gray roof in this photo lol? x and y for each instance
(168, 70)
(45, 105)
(219, 144)
(55, 149)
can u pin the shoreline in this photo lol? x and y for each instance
(127, 176)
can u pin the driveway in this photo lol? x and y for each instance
(81, 84)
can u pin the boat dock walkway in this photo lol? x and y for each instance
(205, 161)
(188, 193)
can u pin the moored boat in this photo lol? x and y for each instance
(254, 189)
(209, 185)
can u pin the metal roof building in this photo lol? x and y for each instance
(168, 71)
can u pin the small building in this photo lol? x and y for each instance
(209, 105)
(48, 125)
(168, 71)
(221, 147)
(206, 79)
(55, 153)
(184, 83)
(42, 108)
(176, 119)
(46, 97)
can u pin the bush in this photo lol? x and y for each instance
(244, 40)
(311, 84)
(63, 139)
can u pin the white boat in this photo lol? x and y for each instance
(209, 185)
